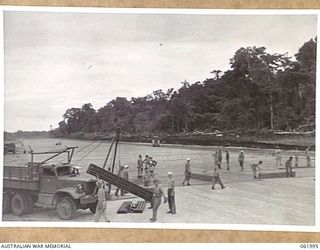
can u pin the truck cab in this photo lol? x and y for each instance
(63, 183)
(156, 141)
(9, 148)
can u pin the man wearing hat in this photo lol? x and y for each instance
(148, 178)
(241, 159)
(289, 167)
(187, 172)
(227, 159)
(140, 166)
(101, 208)
(256, 170)
(146, 164)
(156, 199)
(125, 175)
(216, 177)
(121, 173)
(278, 154)
(152, 164)
(215, 159)
(219, 157)
(171, 194)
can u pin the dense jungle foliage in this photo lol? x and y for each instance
(260, 91)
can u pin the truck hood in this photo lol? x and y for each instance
(68, 181)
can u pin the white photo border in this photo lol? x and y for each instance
(245, 227)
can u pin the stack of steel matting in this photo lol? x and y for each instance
(296, 167)
(125, 207)
(119, 182)
(202, 177)
(271, 175)
(139, 207)
(130, 207)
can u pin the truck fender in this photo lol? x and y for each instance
(60, 193)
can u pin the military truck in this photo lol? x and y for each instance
(59, 186)
(9, 148)
(156, 141)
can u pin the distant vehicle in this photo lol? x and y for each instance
(52, 185)
(156, 141)
(9, 148)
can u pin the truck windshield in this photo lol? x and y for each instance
(61, 171)
(48, 172)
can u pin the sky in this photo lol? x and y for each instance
(55, 61)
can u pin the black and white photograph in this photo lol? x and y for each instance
(159, 118)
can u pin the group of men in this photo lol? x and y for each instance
(158, 193)
(289, 162)
(216, 166)
(145, 166)
(156, 188)
(123, 173)
(278, 154)
(146, 170)
(256, 168)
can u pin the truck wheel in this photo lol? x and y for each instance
(18, 204)
(66, 208)
(6, 206)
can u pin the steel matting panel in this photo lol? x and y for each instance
(272, 175)
(119, 182)
(139, 207)
(202, 177)
(125, 207)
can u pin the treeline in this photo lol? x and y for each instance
(12, 136)
(260, 91)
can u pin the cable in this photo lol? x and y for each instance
(88, 153)
(85, 147)
(119, 154)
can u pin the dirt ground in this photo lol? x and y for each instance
(285, 201)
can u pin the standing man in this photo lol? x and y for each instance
(278, 154)
(296, 158)
(156, 199)
(120, 174)
(219, 157)
(152, 163)
(308, 157)
(289, 167)
(241, 159)
(140, 166)
(227, 159)
(125, 175)
(171, 194)
(215, 158)
(256, 170)
(216, 176)
(187, 172)
(101, 208)
(146, 179)
(146, 164)
(152, 176)
(149, 181)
